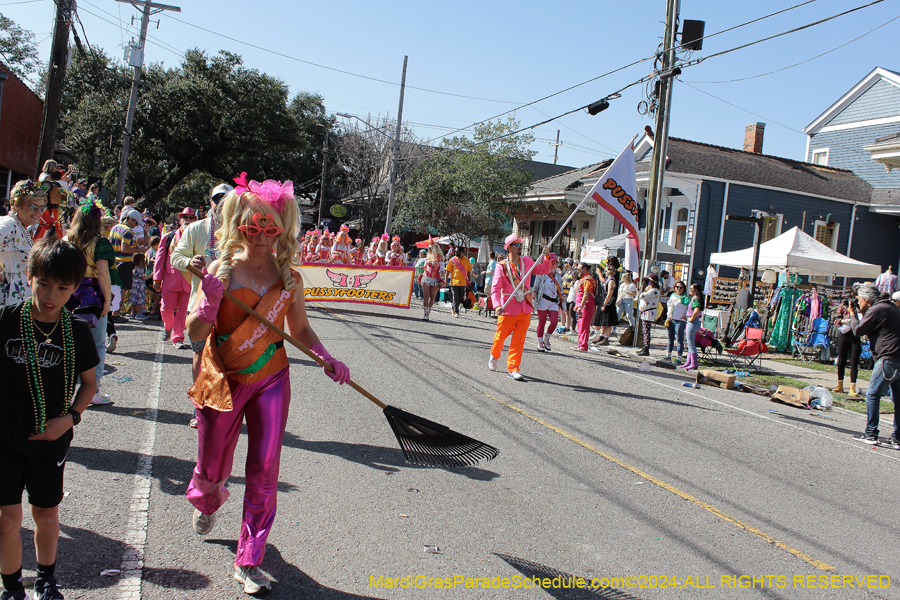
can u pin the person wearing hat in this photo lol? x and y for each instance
(79, 190)
(516, 316)
(197, 247)
(174, 285)
(895, 298)
(126, 245)
(548, 301)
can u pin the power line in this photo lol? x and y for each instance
(300, 60)
(799, 63)
(783, 33)
(741, 108)
(150, 39)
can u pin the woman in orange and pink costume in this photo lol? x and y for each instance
(244, 371)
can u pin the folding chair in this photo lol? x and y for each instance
(707, 345)
(809, 344)
(748, 351)
(711, 322)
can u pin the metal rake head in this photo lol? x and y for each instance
(431, 444)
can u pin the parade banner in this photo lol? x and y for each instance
(365, 284)
(616, 191)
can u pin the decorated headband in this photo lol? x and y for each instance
(269, 191)
(345, 229)
(30, 188)
(385, 236)
(91, 208)
(396, 239)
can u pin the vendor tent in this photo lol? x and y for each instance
(801, 254)
(593, 253)
(456, 239)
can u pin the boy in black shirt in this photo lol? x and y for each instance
(44, 349)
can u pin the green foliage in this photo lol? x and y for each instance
(464, 188)
(18, 49)
(200, 123)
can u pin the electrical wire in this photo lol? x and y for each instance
(741, 108)
(300, 60)
(796, 64)
(783, 33)
(159, 44)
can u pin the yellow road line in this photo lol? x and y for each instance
(328, 309)
(704, 505)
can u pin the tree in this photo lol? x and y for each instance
(209, 118)
(18, 49)
(464, 187)
(362, 162)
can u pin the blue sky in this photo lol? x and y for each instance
(508, 54)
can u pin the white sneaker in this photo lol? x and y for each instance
(547, 342)
(516, 375)
(252, 578)
(203, 524)
(541, 346)
(492, 364)
(111, 343)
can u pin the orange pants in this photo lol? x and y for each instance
(518, 326)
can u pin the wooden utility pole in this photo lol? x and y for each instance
(556, 147)
(390, 207)
(661, 138)
(148, 8)
(59, 56)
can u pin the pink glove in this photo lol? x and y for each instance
(213, 288)
(341, 372)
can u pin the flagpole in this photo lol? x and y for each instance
(561, 229)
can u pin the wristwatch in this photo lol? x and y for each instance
(76, 417)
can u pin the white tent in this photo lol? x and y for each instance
(799, 252)
(594, 252)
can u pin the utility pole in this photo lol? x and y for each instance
(324, 169)
(390, 209)
(59, 55)
(149, 8)
(556, 147)
(661, 138)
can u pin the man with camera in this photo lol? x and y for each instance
(881, 322)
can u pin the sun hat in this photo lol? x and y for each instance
(187, 211)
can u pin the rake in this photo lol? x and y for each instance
(423, 442)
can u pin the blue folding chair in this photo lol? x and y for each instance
(808, 344)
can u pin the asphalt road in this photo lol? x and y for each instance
(604, 472)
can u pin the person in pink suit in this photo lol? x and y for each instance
(516, 317)
(174, 285)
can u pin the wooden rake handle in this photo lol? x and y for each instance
(288, 338)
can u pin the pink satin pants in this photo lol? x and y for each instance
(173, 309)
(265, 406)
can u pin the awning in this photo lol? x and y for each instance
(593, 253)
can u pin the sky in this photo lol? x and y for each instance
(470, 61)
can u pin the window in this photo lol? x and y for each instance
(771, 227)
(828, 236)
(820, 157)
(682, 215)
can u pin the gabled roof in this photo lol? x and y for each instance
(571, 179)
(877, 74)
(729, 164)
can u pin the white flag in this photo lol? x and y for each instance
(616, 192)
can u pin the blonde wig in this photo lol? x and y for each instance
(239, 210)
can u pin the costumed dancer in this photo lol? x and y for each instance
(357, 256)
(515, 318)
(323, 250)
(379, 258)
(342, 247)
(395, 256)
(432, 276)
(548, 301)
(257, 218)
(311, 247)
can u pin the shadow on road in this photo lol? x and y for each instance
(538, 571)
(379, 458)
(289, 581)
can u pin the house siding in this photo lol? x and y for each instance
(879, 101)
(709, 219)
(846, 152)
(876, 239)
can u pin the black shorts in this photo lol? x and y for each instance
(125, 270)
(40, 474)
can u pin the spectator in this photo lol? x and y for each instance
(570, 276)
(647, 307)
(489, 273)
(677, 306)
(458, 269)
(627, 294)
(29, 200)
(417, 275)
(849, 346)
(881, 322)
(125, 245)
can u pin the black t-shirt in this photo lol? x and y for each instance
(17, 408)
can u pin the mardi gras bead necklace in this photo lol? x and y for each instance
(27, 325)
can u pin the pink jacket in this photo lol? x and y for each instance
(172, 278)
(501, 286)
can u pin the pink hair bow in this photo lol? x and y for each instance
(269, 191)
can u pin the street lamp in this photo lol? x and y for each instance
(396, 144)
